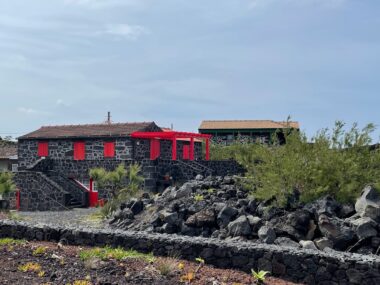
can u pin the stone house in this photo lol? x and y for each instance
(228, 131)
(8, 156)
(54, 161)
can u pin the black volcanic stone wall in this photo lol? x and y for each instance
(224, 167)
(64, 149)
(80, 170)
(297, 265)
(39, 193)
(184, 171)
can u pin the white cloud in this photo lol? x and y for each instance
(254, 4)
(31, 111)
(131, 32)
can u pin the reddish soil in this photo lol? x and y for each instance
(62, 265)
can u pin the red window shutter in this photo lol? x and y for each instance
(43, 149)
(79, 150)
(186, 152)
(154, 149)
(109, 149)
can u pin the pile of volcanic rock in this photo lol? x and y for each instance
(218, 207)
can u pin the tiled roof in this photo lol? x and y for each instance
(7, 149)
(246, 124)
(92, 130)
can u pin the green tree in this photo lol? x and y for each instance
(123, 184)
(6, 183)
(337, 162)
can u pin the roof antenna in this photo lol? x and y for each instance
(171, 126)
(109, 118)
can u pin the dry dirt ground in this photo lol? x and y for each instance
(40, 263)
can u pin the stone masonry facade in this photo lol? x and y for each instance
(55, 177)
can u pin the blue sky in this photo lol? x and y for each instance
(180, 61)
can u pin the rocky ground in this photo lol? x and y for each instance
(46, 263)
(217, 207)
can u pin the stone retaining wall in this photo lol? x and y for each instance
(43, 194)
(306, 266)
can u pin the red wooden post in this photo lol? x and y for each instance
(174, 149)
(192, 148)
(92, 194)
(207, 149)
(18, 200)
(152, 149)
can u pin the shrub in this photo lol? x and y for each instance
(123, 185)
(6, 183)
(338, 162)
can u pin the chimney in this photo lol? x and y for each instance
(109, 117)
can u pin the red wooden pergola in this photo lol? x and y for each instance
(173, 136)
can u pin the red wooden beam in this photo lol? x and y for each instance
(167, 135)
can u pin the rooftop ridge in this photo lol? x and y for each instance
(249, 121)
(95, 124)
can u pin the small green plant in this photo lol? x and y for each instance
(82, 282)
(41, 250)
(107, 253)
(166, 267)
(259, 276)
(12, 215)
(30, 267)
(200, 260)
(198, 198)
(11, 241)
(211, 191)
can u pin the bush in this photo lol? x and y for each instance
(6, 183)
(122, 183)
(337, 162)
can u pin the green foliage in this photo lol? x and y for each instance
(11, 241)
(200, 260)
(337, 162)
(6, 183)
(123, 184)
(210, 191)
(107, 253)
(41, 250)
(166, 267)
(259, 276)
(198, 198)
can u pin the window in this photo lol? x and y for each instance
(14, 167)
(79, 150)
(43, 149)
(186, 152)
(109, 149)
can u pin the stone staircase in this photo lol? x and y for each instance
(79, 196)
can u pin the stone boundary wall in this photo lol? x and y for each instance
(306, 266)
